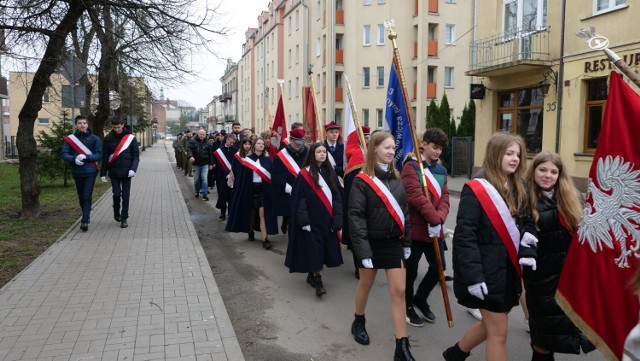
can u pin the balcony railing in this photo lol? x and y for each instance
(431, 90)
(338, 94)
(432, 48)
(509, 49)
(340, 17)
(339, 56)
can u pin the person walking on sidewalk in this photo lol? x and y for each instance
(82, 149)
(177, 149)
(120, 157)
(316, 218)
(427, 214)
(201, 157)
(487, 264)
(185, 154)
(378, 217)
(223, 160)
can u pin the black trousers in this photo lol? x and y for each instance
(430, 279)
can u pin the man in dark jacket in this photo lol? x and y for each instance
(201, 156)
(185, 157)
(177, 147)
(82, 149)
(120, 157)
(334, 147)
(427, 215)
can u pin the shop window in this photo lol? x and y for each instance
(596, 100)
(521, 112)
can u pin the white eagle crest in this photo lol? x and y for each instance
(614, 209)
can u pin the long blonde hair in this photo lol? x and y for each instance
(510, 187)
(371, 161)
(566, 193)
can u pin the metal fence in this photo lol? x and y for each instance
(9, 147)
(518, 45)
(461, 156)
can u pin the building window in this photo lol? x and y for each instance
(290, 26)
(366, 75)
(603, 6)
(289, 58)
(380, 77)
(450, 34)
(449, 1)
(448, 77)
(366, 35)
(318, 82)
(43, 121)
(381, 1)
(297, 20)
(365, 116)
(380, 34)
(523, 15)
(318, 10)
(297, 53)
(379, 117)
(521, 112)
(45, 97)
(297, 87)
(318, 47)
(367, 2)
(289, 89)
(596, 100)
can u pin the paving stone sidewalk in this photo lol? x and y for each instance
(141, 293)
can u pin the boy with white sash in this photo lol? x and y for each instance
(428, 215)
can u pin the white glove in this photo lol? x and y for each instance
(307, 228)
(367, 263)
(131, 173)
(478, 290)
(103, 179)
(526, 261)
(80, 159)
(407, 252)
(434, 231)
(528, 240)
(287, 188)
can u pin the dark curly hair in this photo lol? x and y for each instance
(436, 136)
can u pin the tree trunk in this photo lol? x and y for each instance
(26, 143)
(107, 60)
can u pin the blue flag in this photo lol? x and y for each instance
(397, 121)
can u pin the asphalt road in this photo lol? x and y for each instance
(277, 316)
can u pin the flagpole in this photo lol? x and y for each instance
(284, 113)
(354, 113)
(416, 147)
(599, 42)
(266, 109)
(319, 129)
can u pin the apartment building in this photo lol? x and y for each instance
(229, 97)
(334, 38)
(542, 81)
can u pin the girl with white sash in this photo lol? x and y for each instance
(379, 227)
(316, 218)
(494, 238)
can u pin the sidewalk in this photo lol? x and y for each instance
(455, 184)
(141, 293)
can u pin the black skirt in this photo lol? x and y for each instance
(387, 253)
(256, 200)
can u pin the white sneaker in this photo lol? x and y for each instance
(475, 313)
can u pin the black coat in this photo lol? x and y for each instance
(69, 154)
(225, 194)
(281, 177)
(338, 156)
(201, 151)
(369, 218)
(550, 327)
(480, 256)
(126, 161)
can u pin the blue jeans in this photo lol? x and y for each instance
(200, 179)
(121, 188)
(84, 187)
(430, 279)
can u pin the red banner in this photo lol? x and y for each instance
(310, 121)
(594, 288)
(278, 130)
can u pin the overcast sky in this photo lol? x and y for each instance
(239, 15)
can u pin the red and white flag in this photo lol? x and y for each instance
(310, 121)
(278, 130)
(353, 151)
(594, 287)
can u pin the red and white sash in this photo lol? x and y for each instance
(80, 148)
(333, 164)
(288, 162)
(255, 166)
(433, 185)
(222, 159)
(122, 146)
(498, 212)
(323, 191)
(387, 198)
(239, 158)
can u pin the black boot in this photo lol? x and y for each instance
(537, 356)
(251, 236)
(454, 353)
(402, 350)
(358, 330)
(317, 280)
(266, 244)
(311, 280)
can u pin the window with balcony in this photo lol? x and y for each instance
(596, 101)
(381, 34)
(380, 77)
(448, 77)
(603, 6)
(450, 34)
(366, 35)
(524, 15)
(365, 76)
(521, 112)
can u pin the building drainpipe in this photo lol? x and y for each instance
(560, 81)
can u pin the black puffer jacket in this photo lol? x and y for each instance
(126, 161)
(201, 151)
(369, 218)
(480, 256)
(550, 327)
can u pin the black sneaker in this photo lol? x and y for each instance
(424, 308)
(205, 198)
(412, 317)
(197, 194)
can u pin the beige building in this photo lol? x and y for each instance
(340, 37)
(554, 105)
(229, 96)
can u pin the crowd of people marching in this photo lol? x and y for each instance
(512, 231)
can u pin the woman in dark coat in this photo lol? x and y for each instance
(487, 268)
(252, 196)
(557, 209)
(379, 226)
(222, 160)
(315, 219)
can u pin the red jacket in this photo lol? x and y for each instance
(422, 211)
